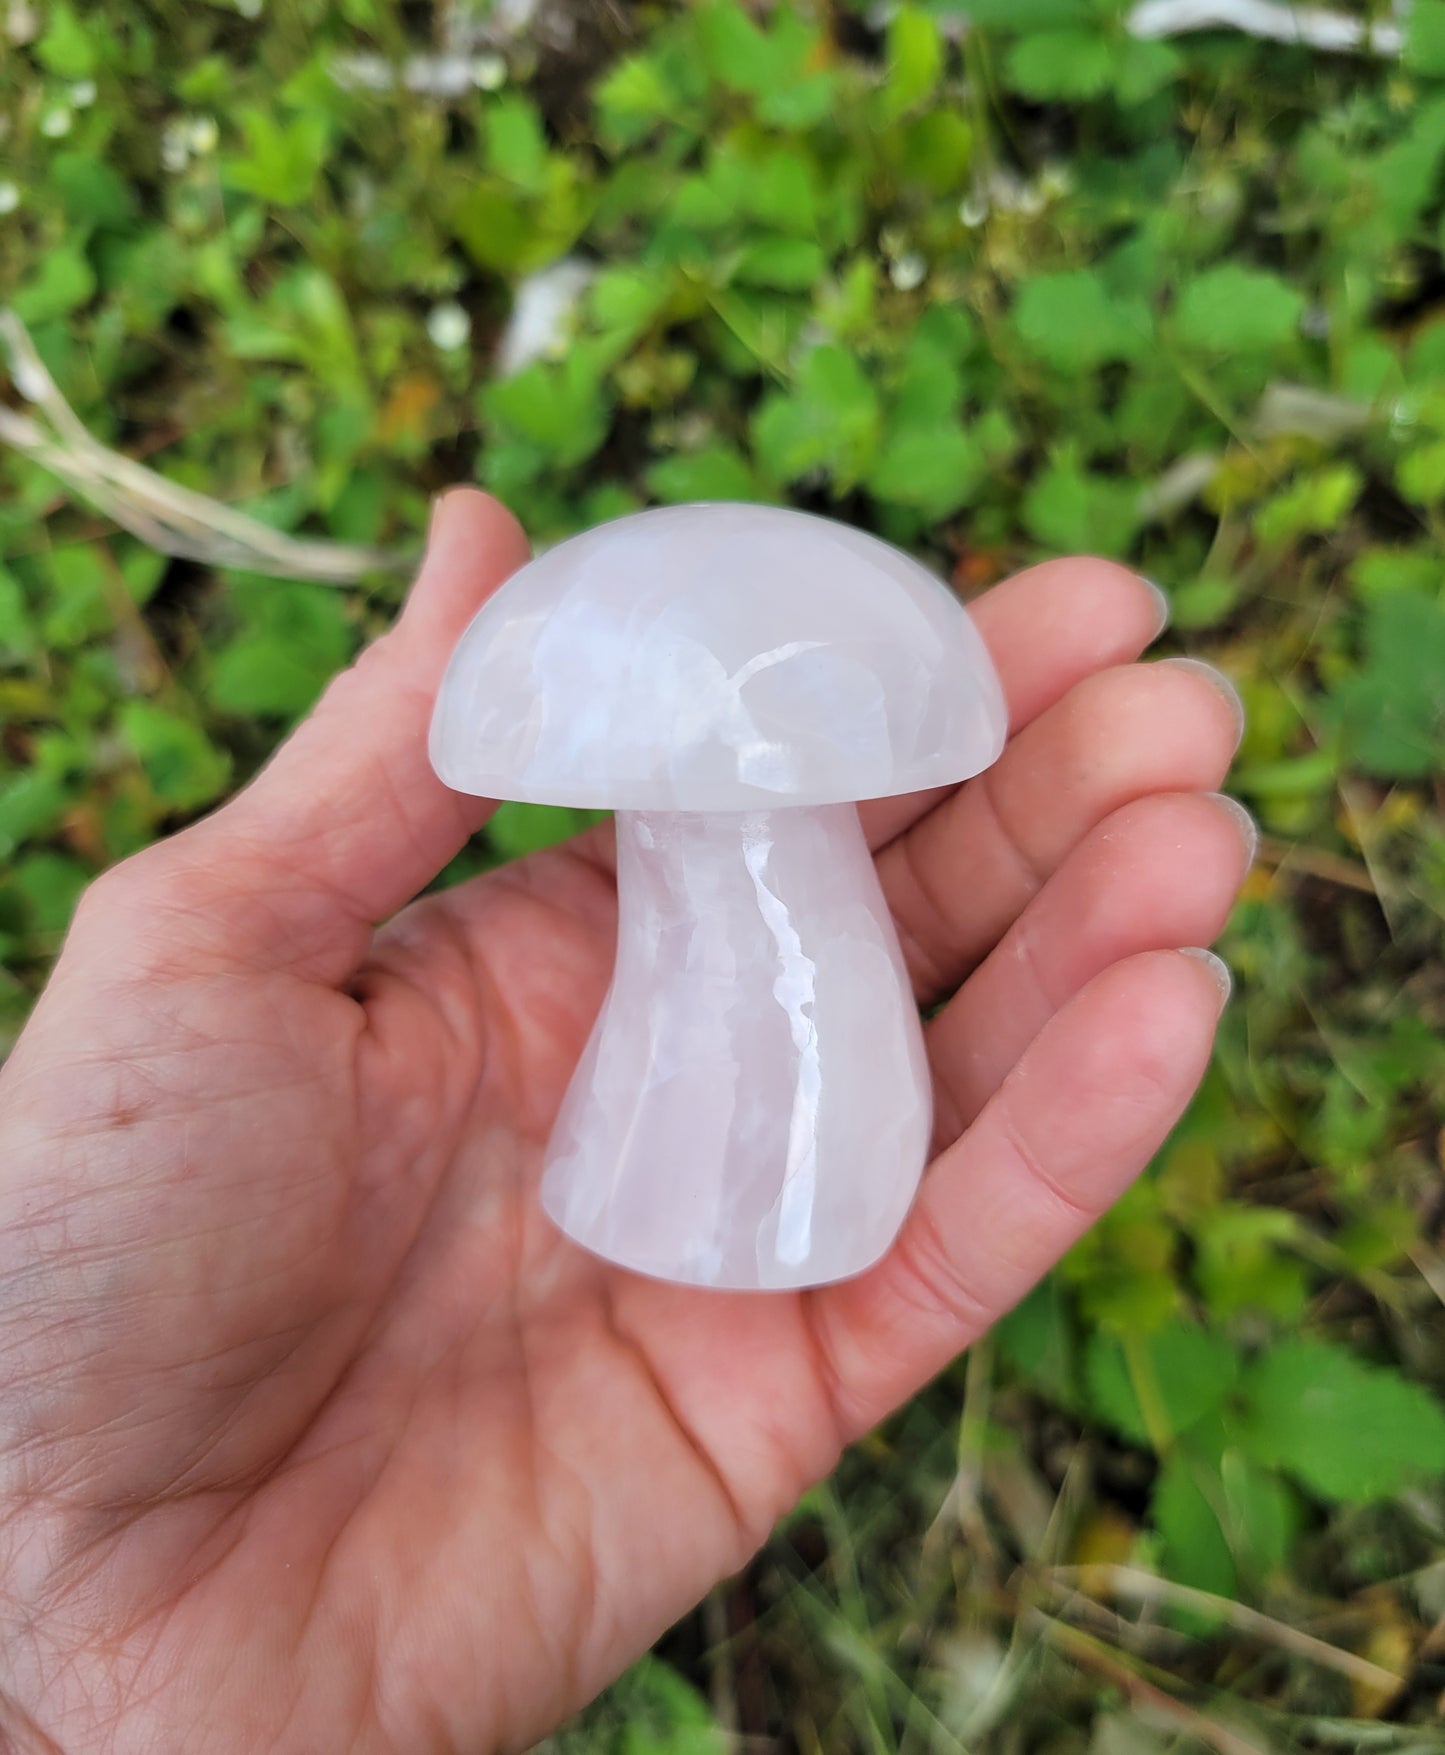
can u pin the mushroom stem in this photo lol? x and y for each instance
(753, 1108)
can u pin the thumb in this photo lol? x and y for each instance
(347, 821)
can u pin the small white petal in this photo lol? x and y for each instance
(908, 271)
(9, 197)
(489, 72)
(448, 325)
(56, 122)
(542, 311)
(22, 25)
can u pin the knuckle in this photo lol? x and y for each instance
(927, 1275)
(127, 904)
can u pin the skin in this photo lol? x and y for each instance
(313, 1432)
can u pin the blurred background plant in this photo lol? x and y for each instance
(996, 279)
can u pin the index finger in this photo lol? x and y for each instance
(1046, 629)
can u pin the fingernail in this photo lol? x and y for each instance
(1217, 967)
(1242, 820)
(1162, 604)
(1220, 683)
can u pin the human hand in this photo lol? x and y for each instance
(314, 1433)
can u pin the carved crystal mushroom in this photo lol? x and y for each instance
(753, 1107)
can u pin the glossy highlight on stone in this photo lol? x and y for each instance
(753, 1108)
(717, 657)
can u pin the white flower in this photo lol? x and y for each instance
(175, 146)
(543, 309)
(489, 72)
(448, 325)
(203, 134)
(9, 197)
(21, 23)
(56, 122)
(908, 271)
(973, 210)
(82, 93)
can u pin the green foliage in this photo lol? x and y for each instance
(1343, 1429)
(1234, 308)
(999, 293)
(1392, 710)
(1075, 321)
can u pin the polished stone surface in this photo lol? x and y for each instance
(717, 657)
(754, 1107)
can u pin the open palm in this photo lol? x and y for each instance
(314, 1434)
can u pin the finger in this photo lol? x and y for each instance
(1046, 629)
(347, 821)
(1158, 875)
(1084, 1110)
(964, 872)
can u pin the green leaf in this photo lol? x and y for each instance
(1072, 320)
(1142, 66)
(933, 466)
(627, 299)
(1262, 1515)
(91, 191)
(17, 626)
(937, 150)
(1069, 508)
(799, 103)
(30, 804)
(1315, 504)
(1420, 473)
(81, 605)
(293, 639)
(516, 144)
(66, 48)
(1037, 1339)
(1425, 38)
(790, 264)
(62, 282)
(831, 421)
(1189, 1373)
(1061, 65)
(663, 1714)
(495, 228)
(283, 159)
(1183, 1510)
(736, 50)
(717, 472)
(516, 830)
(1346, 1430)
(1391, 713)
(1237, 309)
(1244, 1260)
(184, 767)
(914, 61)
(560, 406)
(51, 884)
(632, 100)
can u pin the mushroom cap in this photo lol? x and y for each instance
(717, 657)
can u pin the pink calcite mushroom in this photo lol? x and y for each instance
(753, 1108)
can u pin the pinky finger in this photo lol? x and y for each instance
(1080, 1115)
